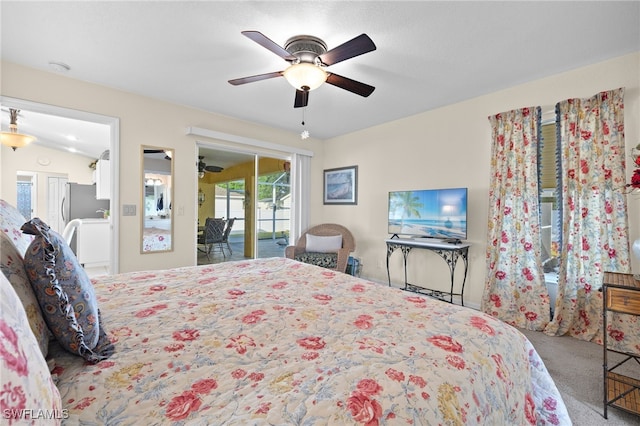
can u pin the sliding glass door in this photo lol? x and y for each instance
(273, 207)
(252, 194)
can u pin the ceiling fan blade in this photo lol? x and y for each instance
(269, 44)
(350, 85)
(158, 151)
(302, 98)
(251, 79)
(213, 169)
(354, 47)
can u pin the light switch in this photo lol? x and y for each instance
(128, 210)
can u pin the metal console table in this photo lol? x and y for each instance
(451, 253)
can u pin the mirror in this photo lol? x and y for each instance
(157, 197)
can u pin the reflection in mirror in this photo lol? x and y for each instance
(157, 197)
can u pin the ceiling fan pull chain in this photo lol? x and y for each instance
(305, 132)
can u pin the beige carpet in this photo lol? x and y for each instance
(576, 368)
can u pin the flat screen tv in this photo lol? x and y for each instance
(429, 213)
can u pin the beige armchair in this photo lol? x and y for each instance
(332, 259)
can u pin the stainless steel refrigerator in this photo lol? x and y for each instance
(80, 202)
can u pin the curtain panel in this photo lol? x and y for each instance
(594, 216)
(515, 290)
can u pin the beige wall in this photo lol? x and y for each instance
(145, 121)
(451, 147)
(44, 162)
(447, 147)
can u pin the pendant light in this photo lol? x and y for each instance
(12, 138)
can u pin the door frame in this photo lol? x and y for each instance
(114, 154)
(256, 149)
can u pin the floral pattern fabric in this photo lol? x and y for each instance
(515, 288)
(276, 341)
(12, 266)
(28, 396)
(595, 233)
(156, 239)
(10, 222)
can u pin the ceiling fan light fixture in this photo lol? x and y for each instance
(305, 76)
(12, 138)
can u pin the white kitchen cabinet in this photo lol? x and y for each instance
(94, 242)
(103, 180)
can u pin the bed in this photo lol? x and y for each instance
(156, 239)
(276, 341)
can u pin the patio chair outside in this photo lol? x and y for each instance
(212, 235)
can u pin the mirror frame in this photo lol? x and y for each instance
(166, 204)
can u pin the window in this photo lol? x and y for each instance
(550, 224)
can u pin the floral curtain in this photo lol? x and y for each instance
(515, 290)
(594, 216)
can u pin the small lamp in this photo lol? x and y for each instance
(12, 138)
(201, 197)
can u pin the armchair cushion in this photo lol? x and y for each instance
(323, 244)
(325, 260)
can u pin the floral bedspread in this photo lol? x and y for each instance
(156, 239)
(275, 341)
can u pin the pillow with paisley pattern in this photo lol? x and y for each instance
(65, 294)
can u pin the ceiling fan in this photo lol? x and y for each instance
(308, 58)
(167, 155)
(202, 167)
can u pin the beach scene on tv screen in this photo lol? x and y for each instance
(438, 213)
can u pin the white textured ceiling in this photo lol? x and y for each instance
(429, 54)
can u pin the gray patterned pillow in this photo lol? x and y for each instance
(65, 294)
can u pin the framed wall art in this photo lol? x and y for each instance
(341, 185)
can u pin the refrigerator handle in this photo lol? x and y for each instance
(62, 209)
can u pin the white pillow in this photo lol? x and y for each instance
(319, 244)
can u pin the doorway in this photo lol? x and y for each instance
(52, 125)
(254, 191)
(26, 182)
